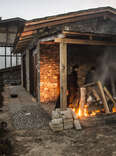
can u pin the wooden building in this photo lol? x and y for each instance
(51, 46)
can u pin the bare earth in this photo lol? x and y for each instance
(96, 141)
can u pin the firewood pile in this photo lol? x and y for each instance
(96, 99)
(96, 106)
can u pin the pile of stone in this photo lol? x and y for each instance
(62, 120)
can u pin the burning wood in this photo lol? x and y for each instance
(94, 99)
(82, 101)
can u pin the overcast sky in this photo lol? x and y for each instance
(29, 9)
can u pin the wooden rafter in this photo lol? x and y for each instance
(87, 34)
(63, 21)
(85, 42)
(70, 15)
(47, 42)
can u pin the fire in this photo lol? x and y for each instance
(79, 113)
(84, 113)
(114, 109)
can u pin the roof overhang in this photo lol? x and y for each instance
(31, 27)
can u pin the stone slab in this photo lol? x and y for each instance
(56, 128)
(77, 125)
(66, 113)
(57, 121)
(55, 114)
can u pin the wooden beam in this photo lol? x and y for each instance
(47, 42)
(89, 84)
(63, 76)
(62, 21)
(71, 15)
(5, 56)
(85, 42)
(103, 97)
(37, 50)
(87, 34)
(26, 37)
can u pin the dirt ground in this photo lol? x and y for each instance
(43, 142)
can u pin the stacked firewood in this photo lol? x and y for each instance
(97, 98)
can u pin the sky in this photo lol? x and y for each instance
(30, 9)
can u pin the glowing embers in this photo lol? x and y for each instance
(114, 110)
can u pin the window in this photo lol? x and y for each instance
(7, 59)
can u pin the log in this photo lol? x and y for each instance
(103, 97)
(96, 94)
(98, 120)
(95, 108)
(89, 84)
(110, 96)
(82, 99)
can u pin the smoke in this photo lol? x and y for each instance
(106, 65)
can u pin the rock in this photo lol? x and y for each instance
(77, 124)
(55, 114)
(114, 153)
(57, 127)
(57, 121)
(74, 115)
(68, 125)
(34, 152)
(66, 113)
(68, 120)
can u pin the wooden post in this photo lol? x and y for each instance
(38, 71)
(95, 94)
(63, 76)
(103, 97)
(27, 70)
(22, 83)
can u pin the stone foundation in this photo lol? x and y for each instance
(62, 120)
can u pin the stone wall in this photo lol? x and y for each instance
(49, 71)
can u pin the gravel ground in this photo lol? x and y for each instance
(43, 142)
(25, 112)
(30, 117)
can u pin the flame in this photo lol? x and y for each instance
(79, 113)
(84, 113)
(114, 109)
